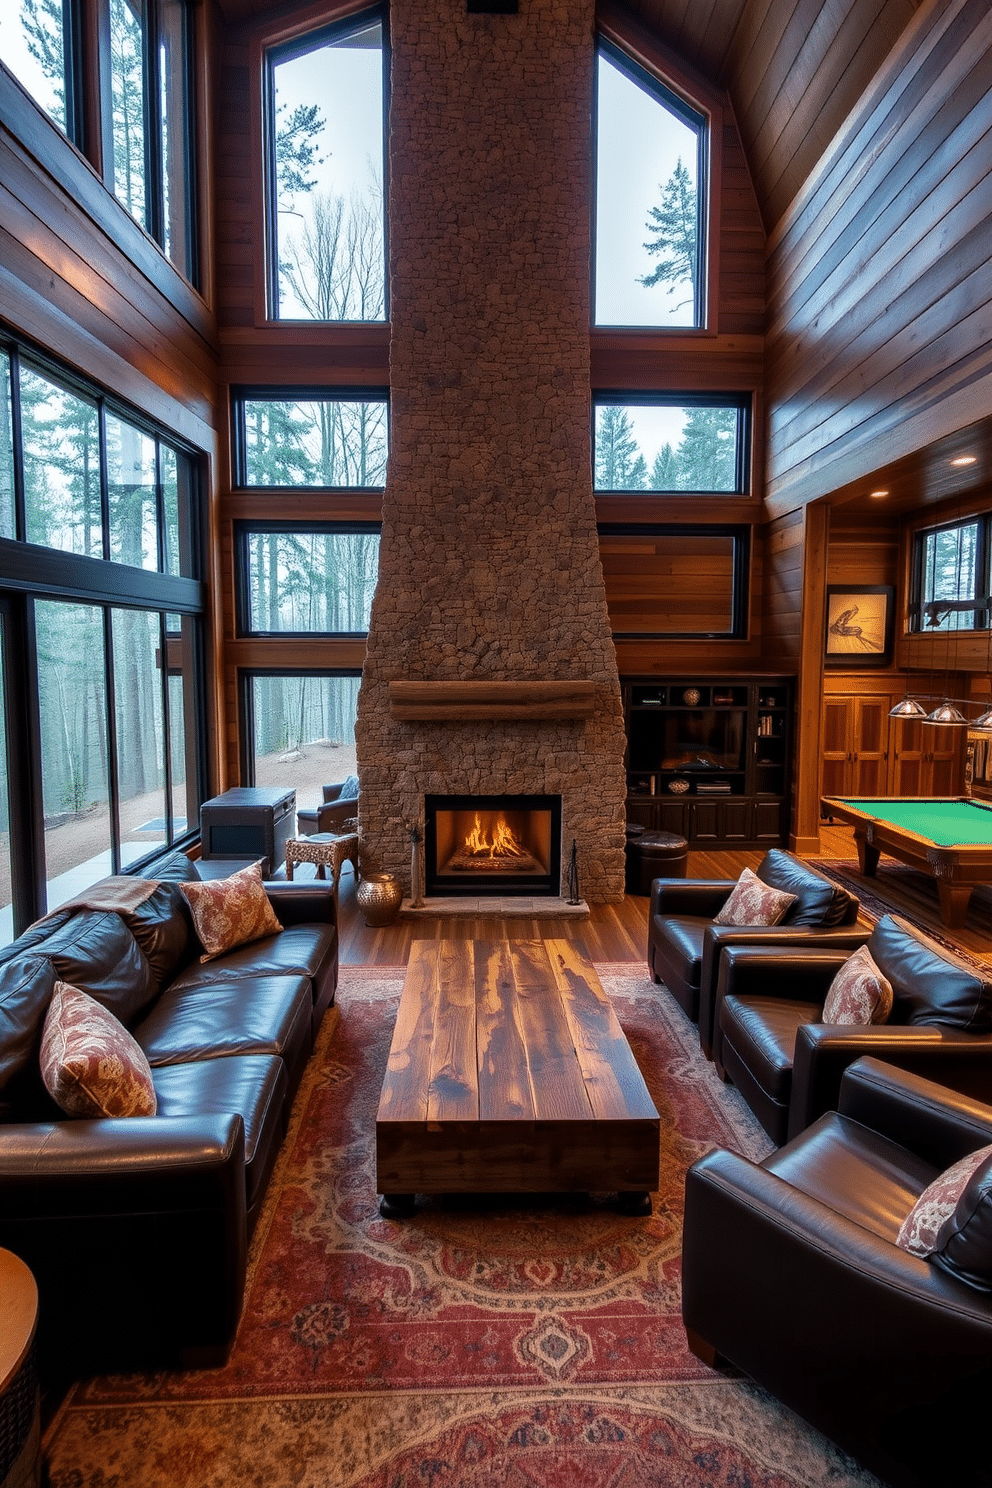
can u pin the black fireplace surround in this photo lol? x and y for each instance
(532, 868)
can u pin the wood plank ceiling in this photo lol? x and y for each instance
(793, 69)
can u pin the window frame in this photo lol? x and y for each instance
(246, 708)
(245, 528)
(667, 398)
(696, 115)
(153, 164)
(273, 51)
(301, 394)
(980, 602)
(30, 571)
(739, 532)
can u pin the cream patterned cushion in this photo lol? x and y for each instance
(859, 993)
(229, 912)
(924, 1229)
(753, 902)
(90, 1064)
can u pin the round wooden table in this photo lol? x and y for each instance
(20, 1403)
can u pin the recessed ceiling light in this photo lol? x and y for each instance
(876, 495)
(965, 460)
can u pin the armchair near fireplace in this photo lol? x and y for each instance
(338, 808)
(685, 946)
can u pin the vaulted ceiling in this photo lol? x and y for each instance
(793, 68)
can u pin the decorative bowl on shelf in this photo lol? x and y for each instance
(691, 696)
(678, 786)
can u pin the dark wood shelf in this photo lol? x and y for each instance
(663, 715)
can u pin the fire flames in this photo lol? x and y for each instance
(495, 842)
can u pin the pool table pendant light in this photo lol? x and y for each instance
(946, 713)
(908, 708)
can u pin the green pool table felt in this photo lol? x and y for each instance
(945, 823)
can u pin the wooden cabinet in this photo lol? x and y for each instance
(867, 753)
(855, 746)
(709, 757)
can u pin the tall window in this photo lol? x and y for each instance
(145, 101)
(952, 574)
(650, 194)
(98, 580)
(287, 439)
(147, 136)
(325, 101)
(664, 442)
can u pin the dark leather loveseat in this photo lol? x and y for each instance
(684, 946)
(137, 1228)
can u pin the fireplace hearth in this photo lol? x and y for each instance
(492, 844)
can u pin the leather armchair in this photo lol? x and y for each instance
(338, 809)
(771, 1042)
(684, 946)
(791, 1274)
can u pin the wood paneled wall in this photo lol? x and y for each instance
(879, 286)
(78, 276)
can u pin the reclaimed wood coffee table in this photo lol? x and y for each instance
(509, 1073)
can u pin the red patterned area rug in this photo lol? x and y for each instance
(525, 1341)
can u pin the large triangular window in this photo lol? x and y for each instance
(650, 195)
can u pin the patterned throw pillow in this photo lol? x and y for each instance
(920, 1231)
(859, 993)
(229, 912)
(752, 902)
(90, 1064)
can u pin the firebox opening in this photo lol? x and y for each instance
(492, 844)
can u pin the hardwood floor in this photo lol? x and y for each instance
(613, 932)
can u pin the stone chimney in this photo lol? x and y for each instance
(489, 568)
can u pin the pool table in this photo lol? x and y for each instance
(949, 837)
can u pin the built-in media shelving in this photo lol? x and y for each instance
(709, 757)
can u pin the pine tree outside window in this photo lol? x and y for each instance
(650, 196)
(36, 44)
(670, 443)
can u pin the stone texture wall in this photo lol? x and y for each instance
(489, 563)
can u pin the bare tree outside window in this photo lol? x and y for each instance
(327, 145)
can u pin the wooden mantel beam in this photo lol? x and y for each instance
(463, 702)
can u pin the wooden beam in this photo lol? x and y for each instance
(461, 702)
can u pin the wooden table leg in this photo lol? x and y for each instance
(868, 855)
(954, 900)
(398, 1206)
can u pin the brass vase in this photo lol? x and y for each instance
(379, 898)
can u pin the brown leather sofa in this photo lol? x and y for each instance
(770, 1040)
(137, 1229)
(337, 812)
(684, 946)
(790, 1272)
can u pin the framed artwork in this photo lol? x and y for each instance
(859, 625)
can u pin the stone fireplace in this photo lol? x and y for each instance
(490, 668)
